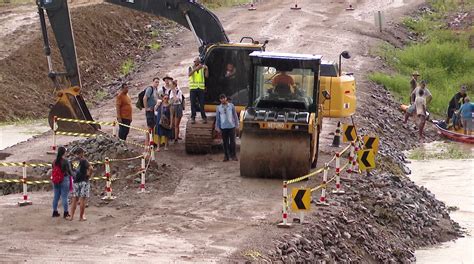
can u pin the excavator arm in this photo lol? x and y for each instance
(201, 21)
(69, 103)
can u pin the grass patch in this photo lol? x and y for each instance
(154, 33)
(449, 151)
(155, 46)
(443, 57)
(100, 95)
(127, 66)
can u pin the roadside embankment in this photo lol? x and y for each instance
(106, 39)
(440, 48)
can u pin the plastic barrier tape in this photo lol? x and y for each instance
(34, 182)
(73, 134)
(305, 176)
(136, 128)
(20, 164)
(85, 121)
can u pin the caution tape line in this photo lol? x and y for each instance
(85, 121)
(133, 143)
(74, 134)
(126, 159)
(305, 176)
(34, 182)
(135, 128)
(330, 180)
(20, 164)
(75, 164)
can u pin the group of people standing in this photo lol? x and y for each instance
(459, 109)
(66, 180)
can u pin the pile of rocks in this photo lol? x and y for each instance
(381, 219)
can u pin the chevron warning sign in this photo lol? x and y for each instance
(371, 143)
(301, 199)
(349, 133)
(366, 159)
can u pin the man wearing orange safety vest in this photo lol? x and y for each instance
(197, 86)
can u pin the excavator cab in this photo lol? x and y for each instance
(280, 128)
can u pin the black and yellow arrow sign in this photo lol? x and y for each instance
(349, 133)
(371, 143)
(301, 199)
(366, 159)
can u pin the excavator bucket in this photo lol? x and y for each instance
(71, 105)
(274, 154)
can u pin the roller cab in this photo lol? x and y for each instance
(280, 128)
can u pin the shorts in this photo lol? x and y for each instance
(468, 123)
(150, 119)
(411, 109)
(82, 189)
(177, 111)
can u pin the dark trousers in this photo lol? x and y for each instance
(228, 138)
(197, 101)
(123, 131)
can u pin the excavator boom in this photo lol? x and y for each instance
(69, 103)
(194, 16)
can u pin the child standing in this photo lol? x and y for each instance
(81, 185)
(420, 105)
(466, 115)
(163, 120)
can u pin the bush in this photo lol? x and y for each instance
(127, 67)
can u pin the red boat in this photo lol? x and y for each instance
(456, 135)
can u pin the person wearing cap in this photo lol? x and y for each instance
(413, 83)
(426, 94)
(197, 86)
(466, 115)
(167, 87)
(123, 106)
(226, 123)
(456, 101)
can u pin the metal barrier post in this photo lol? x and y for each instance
(55, 128)
(338, 178)
(351, 159)
(25, 188)
(322, 199)
(108, 184)
(355, 165)
(114, 129)
(152, 153)
(336, 142)
(142, 183)
(285, 223)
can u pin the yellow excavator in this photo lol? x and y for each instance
(328, 91)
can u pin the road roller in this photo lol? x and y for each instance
(280, 128)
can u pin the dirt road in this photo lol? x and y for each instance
(212, 212)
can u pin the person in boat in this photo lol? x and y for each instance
(466, 115)
(456, 101)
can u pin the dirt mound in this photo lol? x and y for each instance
(105, 37)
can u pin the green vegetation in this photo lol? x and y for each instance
(154, 33)
(442, 56)
(223, 3)
(155, 46)
(100, 95)
(127, 67)
(446, 151)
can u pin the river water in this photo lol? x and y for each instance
(452, 182)
(12, 134)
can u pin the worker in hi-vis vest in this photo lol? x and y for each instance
(197, 86)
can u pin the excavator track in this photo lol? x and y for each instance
(199, 137)
(274, 154)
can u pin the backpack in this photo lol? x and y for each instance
(141, 95)
(57, 176)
